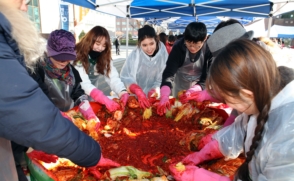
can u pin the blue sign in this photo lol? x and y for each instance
(64, 17)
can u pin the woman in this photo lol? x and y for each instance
(94, 59)
(142, 70)
(59, 80)
(245, 76)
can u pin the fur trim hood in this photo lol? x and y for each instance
(20, 33)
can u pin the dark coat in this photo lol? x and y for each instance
(29, 118)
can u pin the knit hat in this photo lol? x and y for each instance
(61, 45)
(146, 31)
(225, 35)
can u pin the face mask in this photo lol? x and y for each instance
(94, 54)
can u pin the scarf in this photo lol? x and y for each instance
(55, 73)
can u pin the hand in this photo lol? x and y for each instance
(103, 162)
(86, 110)
(194, 88)
(124, 98)
(143, 101)
(151, 93)
(199, 97)
(208, 152)
(164, 100)
(205, 140)
(98, 96)
(186, 96)
(194, 173)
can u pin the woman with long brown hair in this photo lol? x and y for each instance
(245, 76)
(94, 59)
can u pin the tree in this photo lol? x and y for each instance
(82, 34)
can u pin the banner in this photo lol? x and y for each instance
(64, 17)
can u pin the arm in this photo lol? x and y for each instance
(175, 60)
(30, 119)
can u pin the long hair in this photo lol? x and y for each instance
(24, 33)
(243, 64)
(85, 46)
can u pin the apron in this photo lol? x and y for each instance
(189, 74)
(60, 92)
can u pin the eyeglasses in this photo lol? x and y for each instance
(27, 2)
(197, 46)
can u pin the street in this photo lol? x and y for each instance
(118, 61)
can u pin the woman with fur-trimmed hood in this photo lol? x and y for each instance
(27, 115)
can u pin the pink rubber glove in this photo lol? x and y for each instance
(98, 96)
(124, 98)
(194, 88)
(142, 99)
(199, 97)
(230, 120)
(164, 100)
(87, 110)
(151, 93)
(208, 152)
(103, 162)
(193, 173)
(205, 140)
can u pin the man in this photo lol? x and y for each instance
(185, 63)
(117, 44)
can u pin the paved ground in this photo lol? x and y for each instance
(118, 61)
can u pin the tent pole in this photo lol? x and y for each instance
(127, 37)
(270, 19)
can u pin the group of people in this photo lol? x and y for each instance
(227, 67)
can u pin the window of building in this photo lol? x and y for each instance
(34, 13)
(118, 23)
(123, 23)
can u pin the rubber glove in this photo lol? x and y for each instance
(164, 100)
(142, 99)
(194, 173)
(205, 140)
(208, 152)
(194, 88)
(98, 96)
(103, 162)
(88, 113)
(152, 96)
(199, 97)
(230, 120)
(124, 98)
(151, 93)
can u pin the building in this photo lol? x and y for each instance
(134, 25)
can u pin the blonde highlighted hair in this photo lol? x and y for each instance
(24, 33)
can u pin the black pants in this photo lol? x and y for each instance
(117, 49)
(18, 154)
